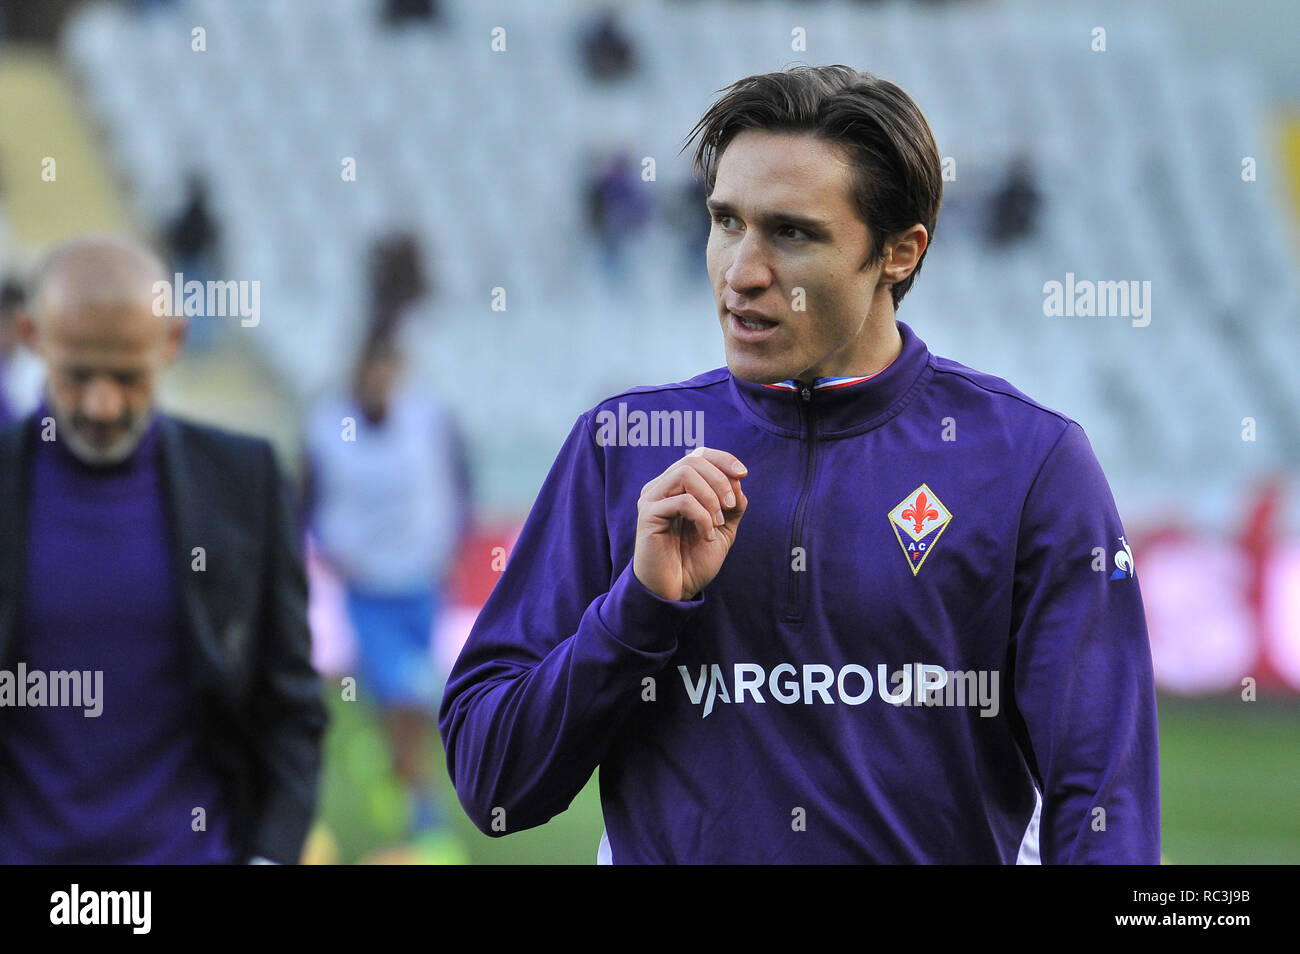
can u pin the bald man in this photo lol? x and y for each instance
(157, 700)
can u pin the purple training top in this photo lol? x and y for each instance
(928, 534)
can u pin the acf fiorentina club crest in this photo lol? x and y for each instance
(919, 522)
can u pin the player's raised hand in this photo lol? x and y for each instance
(686, 522)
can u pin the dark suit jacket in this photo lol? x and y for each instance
(245, 615)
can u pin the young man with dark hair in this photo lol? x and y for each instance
(912, 652)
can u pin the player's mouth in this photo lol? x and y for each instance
(748, 326)
(99, 434)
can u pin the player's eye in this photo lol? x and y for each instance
(800, 233)
(722, 219)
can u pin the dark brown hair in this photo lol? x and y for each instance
(898, 180)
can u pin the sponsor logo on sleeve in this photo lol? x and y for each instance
(1124, 567)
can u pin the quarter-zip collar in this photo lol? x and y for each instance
(844, 406)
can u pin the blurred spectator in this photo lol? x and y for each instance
(1013, 208)
(389, 503)
(400, 12)
(617, 209)
(25, 21)
(192, 238)
(192, 235)
(607, 52)
(691, 220)
(20, 370)
(153, 563)
(397, 281)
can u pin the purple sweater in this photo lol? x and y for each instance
(927, 535)
(101, 594)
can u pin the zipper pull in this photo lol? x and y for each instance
(805, 392)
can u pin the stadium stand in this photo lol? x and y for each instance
(481, 152)
(41, 120)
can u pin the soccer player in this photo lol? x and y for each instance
(390, 505)
(887, 612)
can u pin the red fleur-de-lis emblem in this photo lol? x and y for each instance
(918, 514)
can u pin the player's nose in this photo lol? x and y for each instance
(102, 400)
(749, 269)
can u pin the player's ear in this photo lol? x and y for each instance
(903, 252)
